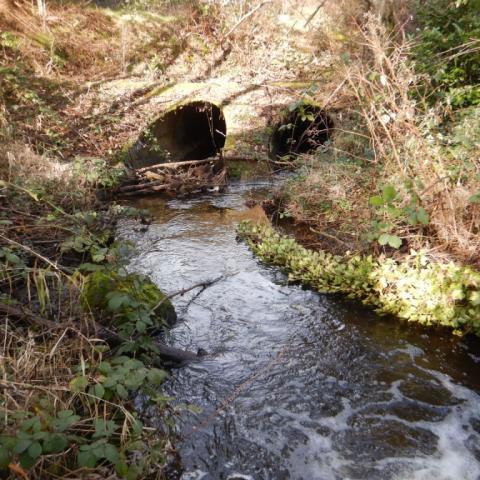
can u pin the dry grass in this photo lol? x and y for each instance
(79, 42)
(377, 84)
(330, 198)
(406, 149)
(47, 338)
(19, 161)
(36, 370)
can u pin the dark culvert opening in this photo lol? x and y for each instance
(193, 131)
(302, 130)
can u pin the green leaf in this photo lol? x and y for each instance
(412, 217)
(41, 435)
(111, 453)
(35, 450)
(376, 201)
(5, 457)
(383, 239)
(133, 382)
(78, 384)
(22, 445)
(475, 198)
(120, 360)
(475, 298)
(98, 390)
(105, 368)
(116, 300)
(55, 444)
(122, 391)
(26, 461)
(458, 293)
(86, 459)
(393, 212)
(394, 241)
(104, 428)
(12, 258)
(99, 255)
(156, 376)
(389, 193)
(121, 468)
(32, 424)
(133, 363)
(65, 413)
(98, 449)
(422, 216)
(65, 420)
(137, 427)
(141, 327)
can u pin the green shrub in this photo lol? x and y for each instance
(448, 48)
(415, 289)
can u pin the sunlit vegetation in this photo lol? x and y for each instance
(402, 171)
(415, 288)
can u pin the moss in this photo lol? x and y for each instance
(100, 285)
(415, 289)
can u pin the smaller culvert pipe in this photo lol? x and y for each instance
(191, 131)
(301, 130)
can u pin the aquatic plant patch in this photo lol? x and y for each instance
(416, 288)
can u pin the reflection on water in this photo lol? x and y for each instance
(299, 385)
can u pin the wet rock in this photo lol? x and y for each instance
(372, 439)
(428, 392)
(473, 445)
(407, 410)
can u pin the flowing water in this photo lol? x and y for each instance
(299, 385)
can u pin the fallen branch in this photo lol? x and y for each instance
(113, 339)
(183, 291)
(177, 164)
(140, 186)
(247, 15)
(30, 317)
(166, 188)
(328, 235)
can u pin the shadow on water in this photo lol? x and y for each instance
(300, 385)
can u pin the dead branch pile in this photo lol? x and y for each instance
(176, 178)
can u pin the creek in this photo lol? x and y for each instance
(299, 385)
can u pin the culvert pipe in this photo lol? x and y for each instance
(191, 131)
(302, 130)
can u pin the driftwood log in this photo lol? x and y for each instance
(178, 177)
(167, 353)
(175, 177)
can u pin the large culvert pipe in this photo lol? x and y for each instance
(191, 131)
(301, 130)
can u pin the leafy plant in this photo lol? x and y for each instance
(448, 49)
(415, 289)
(97, 172)
(122, 375)
(390, 209)
(38, 436)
